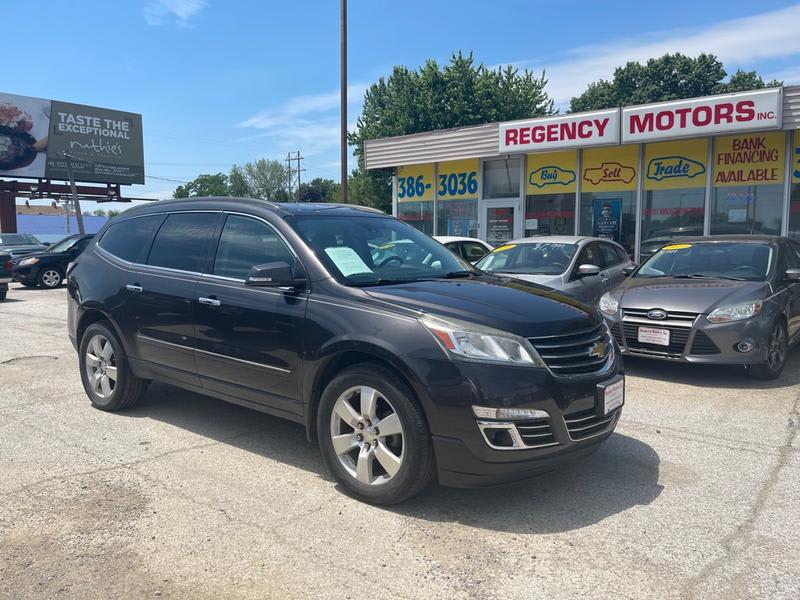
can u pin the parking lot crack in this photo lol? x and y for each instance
(738, 539)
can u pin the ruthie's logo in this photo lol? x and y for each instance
(668, 167)
(610, 171)
(551, 176)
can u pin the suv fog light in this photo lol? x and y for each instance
(744, 346)
(509, 414)
(501, 436)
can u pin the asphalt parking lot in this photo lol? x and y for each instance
(697, 495)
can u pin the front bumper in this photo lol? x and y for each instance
(24, 275)
(693, 338)
(465, 458)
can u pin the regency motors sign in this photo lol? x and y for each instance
(37, 136)
(727, 113)
(597, 128)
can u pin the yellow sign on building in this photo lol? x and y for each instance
(676, 165)
(458, 179)
(611, 169)
(551, 173)
(749, 159)
(415, 183)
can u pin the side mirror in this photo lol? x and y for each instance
(629, 269)
(792, 274)
(588, 270)
(45, 243)
(274, 274)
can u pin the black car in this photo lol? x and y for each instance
(47, 269)
(6, 267)
(731, 299)
(401, 368)
(20, 244)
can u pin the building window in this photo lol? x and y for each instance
(501, 178)
(458, 217)
(414, 192)
(794, 203)
(748, 178)
(417, 214)
(609, 178)
(550, 183)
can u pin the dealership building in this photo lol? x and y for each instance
(638, 174)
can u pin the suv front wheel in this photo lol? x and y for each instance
(373, 435)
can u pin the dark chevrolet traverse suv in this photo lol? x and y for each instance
(402, 368)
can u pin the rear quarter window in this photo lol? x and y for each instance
(182, 241)
(130, 239)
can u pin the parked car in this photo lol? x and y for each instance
(20, 244)
(47, 269)
(583, 267)
(725, 299)
(401, 370)
(6, 268)
(470, 249)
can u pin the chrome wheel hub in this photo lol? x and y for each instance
(51, 278)
(101, 366)
(367, 435)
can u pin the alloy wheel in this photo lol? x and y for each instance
(367, 435)
(101, 366)
(776, 352)
(51, 278)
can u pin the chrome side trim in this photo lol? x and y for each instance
(147, 338)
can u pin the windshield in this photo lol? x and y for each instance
(62, 245)
(723, 260)
(377, 250)
(540, 258)
(18, 239)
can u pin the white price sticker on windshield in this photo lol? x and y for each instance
(347, 261)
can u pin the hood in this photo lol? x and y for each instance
(512, 305)
(687, 295)
(547, 280)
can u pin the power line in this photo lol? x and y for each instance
(294, 184)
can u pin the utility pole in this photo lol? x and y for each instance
(294, 172)
(343, 87)
(76, 202)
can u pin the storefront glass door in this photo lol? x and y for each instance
(500, 223)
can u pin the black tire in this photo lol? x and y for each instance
(50, 278)
(417, 466)
(127, 389)
(777, 348)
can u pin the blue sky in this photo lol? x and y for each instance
(223, 82)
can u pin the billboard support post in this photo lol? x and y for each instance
(74, 190)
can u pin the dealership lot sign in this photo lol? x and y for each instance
(597, 128)
(711, 115)
(37, 135)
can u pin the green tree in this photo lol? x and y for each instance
(99, 213)
(319, 190)
(458, 94)
(237, 183)
(204, 185)
(113, 213)
(265, 179)
(670, 77)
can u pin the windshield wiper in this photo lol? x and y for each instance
(458, 274)
(701, 276)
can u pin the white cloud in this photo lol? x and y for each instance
(161, 12)
(737, 42)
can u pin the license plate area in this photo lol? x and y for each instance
(610, 395)
(653, 335)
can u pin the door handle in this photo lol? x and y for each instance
(209, 301)
(133, 287)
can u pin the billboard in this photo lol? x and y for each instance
(105, 145)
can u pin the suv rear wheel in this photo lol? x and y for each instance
(50, 278)
(373, 435)
(105, 371)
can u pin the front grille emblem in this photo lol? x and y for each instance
(598, 350)
(657, 314)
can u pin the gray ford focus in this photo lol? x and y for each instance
(723, 299)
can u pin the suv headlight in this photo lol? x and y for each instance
(468, 341)
(608, 304)
(737, 312)
(28, 261)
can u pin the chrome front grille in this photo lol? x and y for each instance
(586, 423)
(575, 353)
(678, 323)
(536, 433)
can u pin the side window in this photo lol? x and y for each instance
(610, 257)
(590, 255)
(473, 251)
(621, 254)
(182, 242)
(81, 245)
(245, 243)
(791, 256)
(453, 247)
(130, 239)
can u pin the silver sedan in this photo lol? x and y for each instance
(582, 267)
